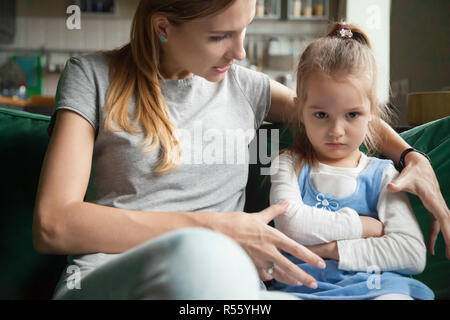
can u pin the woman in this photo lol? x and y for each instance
(119, 115)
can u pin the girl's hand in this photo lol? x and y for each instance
(328, 250)
(419, 178)
(263, 244)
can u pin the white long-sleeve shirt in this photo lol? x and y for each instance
(401, 248)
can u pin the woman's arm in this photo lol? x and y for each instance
(64, 224)
(282, 106)
(417, 178)
(310, 225)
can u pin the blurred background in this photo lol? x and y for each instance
(410, 37)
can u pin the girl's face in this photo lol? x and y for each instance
(207, 47)
(336, 116)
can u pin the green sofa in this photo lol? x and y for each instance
(23, 141)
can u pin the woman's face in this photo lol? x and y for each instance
(208, 46)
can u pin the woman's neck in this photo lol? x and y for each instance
(171, 72)
(176, 75)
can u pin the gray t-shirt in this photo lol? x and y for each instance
(213, 118)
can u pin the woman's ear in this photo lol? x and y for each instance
(161, 25)
(295, 101)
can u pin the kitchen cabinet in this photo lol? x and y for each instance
(268, 9)
(278, 34)
(308, 10)
(292, 10)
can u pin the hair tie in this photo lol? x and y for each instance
(344, 32)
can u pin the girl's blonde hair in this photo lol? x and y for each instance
(335, 56)
(134, 71)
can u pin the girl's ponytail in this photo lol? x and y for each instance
(345, 30)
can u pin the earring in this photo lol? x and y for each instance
(163, 38)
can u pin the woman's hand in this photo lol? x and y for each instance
(263, 244)
(419, 178)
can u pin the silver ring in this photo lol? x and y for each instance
(270, 270)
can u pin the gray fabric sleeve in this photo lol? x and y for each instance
(77, 92)
(256, 88)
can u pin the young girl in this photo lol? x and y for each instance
(339, 204)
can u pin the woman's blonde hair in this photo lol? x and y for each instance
(134, 72)
(338, 55)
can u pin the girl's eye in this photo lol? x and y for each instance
(219, 38)
(352, 115)
(320, 115)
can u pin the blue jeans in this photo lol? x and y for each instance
(191, 263)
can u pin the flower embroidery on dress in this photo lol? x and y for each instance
(323, 202)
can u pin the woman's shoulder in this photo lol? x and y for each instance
(82, 87)
(98, 57)
(249, 80)
(86, 73)
(242, 72)
(96, 62)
